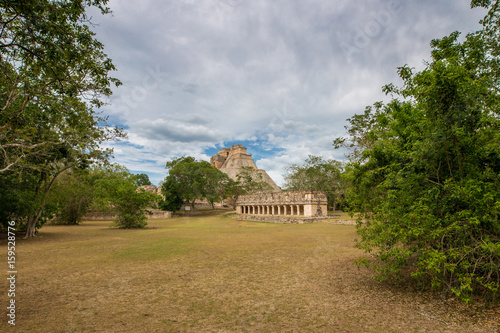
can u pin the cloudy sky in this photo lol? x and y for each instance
(280, 77)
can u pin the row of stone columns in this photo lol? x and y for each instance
(291, 210)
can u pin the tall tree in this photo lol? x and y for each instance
(53, 76)
(425, 177)
(317, 174)
(193, 180)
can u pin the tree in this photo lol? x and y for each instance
(18, 197)
(251, 181)
(317, 174)
(248, 181)
(233, 190)
(172, 196)
(71, 196)
(142, 179)
(53, 74)
(116, 192)
(425, 176)
(193, 180)
(217, 183)
(49, 60)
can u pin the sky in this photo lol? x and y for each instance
(280, 77)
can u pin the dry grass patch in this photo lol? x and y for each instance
(215, 274)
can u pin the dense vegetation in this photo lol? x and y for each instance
(425, 171)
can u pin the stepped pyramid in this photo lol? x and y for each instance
(231, 160)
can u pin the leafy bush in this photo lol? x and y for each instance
(426, 171)
(116, 192)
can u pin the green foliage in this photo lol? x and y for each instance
(250, 181)
(425, 174)
(50, 63)
(71, 196)
(319, 175)
(116, 192)
(142, 179)
(172, 196)
(189, 180)
(19, 199)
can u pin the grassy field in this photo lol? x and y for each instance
(215, 274)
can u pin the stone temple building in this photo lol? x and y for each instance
(294, 203)
(231, 160)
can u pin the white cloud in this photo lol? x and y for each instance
(197, 74)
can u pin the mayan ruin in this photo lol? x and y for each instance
(297, 203)
(275, 203)
(231, 161)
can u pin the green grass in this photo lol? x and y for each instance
(213, 274)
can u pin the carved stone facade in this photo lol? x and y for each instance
(297, 203)
(231, 160)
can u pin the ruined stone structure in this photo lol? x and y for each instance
(297, 203)
(148, 188)
(231, 160)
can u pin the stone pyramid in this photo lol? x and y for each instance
(231, 160)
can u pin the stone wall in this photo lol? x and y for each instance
(278, 219)
(333, 219)
(156, 214)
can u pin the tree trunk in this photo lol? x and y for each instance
(31, 224)
(30, 228)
